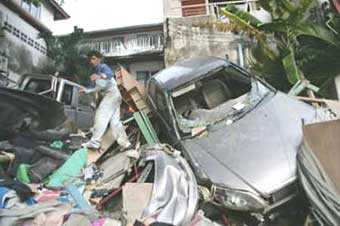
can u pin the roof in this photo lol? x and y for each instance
(124, 30)
(59, 12)
(188, 70)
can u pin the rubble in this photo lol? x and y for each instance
(48, 178)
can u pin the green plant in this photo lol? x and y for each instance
(294, 45)
(69, 59)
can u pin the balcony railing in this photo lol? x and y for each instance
(207, 8)
(127, 45)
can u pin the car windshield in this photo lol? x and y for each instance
(224, 96)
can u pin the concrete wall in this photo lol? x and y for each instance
(172, 8)
(21, 44)
(196, 36)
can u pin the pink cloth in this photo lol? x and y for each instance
(99, 222)
(47, 195)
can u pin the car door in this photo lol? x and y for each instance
(158, 100)
(85, 111)
(77, 108)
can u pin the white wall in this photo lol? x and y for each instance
(47, 15)
(172, 8)
(16, 42)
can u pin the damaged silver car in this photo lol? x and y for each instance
(239, 134)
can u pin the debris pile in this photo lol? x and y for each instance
(232, 161)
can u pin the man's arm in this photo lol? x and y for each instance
(104, 72)
(100, 85)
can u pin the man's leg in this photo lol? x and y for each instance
(103, 115)
(117, 127)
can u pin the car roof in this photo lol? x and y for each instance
(187, 70)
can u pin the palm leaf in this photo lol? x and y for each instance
(316, 31)
(253, 21)
(304, 5)
(292, 71)
(243, 23)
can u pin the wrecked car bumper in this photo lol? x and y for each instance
(175, 195)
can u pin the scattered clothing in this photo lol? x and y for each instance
(23, 191)
(70, 170)
(48, 195)
(42, 168)
(25, 216)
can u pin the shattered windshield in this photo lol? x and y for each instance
(225, 96)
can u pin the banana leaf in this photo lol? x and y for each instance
(316, 31)
(304, 5)
(292, 71)
(243, 23)
(253, 21)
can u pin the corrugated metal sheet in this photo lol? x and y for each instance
(193, 10)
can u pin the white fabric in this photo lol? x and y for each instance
(109, 112)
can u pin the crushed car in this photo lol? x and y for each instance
(20, 110)
(78, 108)
(239, 134)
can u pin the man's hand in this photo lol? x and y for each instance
(94, 77)
(81, 91)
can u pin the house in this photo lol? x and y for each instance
(22, 22)
(190, 30)
(138, 48)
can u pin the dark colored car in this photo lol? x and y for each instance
(239, 134)
(20, 109)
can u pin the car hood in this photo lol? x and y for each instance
(257, 152)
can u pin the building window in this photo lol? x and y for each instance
(143, 76)
(8, 27)
(36, 46)
(30, 42)
(16, 32)
(32, 8)
(23, 37)
(67, 94)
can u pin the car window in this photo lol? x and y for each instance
(67, 94)
(161, 104)
(38, 85)
(160, 101)
(152, 89)
(224, 95)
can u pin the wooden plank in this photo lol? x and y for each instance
(146, 128)
(323, 139)
(136, 193)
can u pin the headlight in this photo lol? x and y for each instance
(238, 200)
